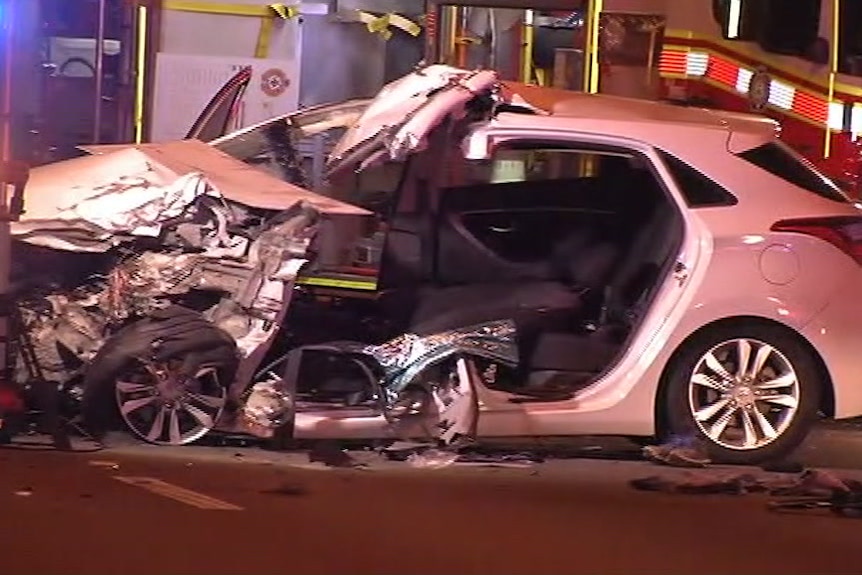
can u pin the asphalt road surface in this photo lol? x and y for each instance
(134, 509)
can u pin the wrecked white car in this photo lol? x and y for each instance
(475, 259)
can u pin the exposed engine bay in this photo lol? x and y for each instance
(222, 272)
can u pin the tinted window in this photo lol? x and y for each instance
(699, 190)
(850, 38)
(739, 19)
(790, 26)
(529, 206)
(781, 162)
(536, 164)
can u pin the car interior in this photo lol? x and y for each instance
(570, 246)
(570, 243)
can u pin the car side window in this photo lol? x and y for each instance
(698, 189)
(526, 203)
(536, 164)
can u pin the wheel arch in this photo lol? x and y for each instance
(827, 399)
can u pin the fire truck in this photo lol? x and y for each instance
(797, 61)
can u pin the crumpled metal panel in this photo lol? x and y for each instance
(404, 112)
(405, 358)
(266, 408)
(391, 368)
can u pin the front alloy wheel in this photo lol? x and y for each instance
(751, 392)
(161, 406)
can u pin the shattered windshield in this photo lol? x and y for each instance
(282, 150)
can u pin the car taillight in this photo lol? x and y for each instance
(843, 232)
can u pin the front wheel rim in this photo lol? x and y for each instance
(161, 407)
(743, 394)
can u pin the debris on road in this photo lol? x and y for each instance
(432, 458)
(426, 457)
(703, 484)
(679, 451)
(331, 454)
(811, 489)
(840, 503)
(287, 490)
(812, 482)
(26, 492)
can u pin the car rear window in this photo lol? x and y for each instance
(783, 163)
(699, 190)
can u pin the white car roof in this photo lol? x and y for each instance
(671, 127)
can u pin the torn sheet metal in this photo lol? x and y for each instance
(447, 409)
(404, 358)
(128, 206)
(438, 364)
(409, 362)
(254, 140)
(405, 111)
(456, 404)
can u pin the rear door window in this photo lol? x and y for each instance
(780, 161)
(510, 217)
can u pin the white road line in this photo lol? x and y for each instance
(178, 493)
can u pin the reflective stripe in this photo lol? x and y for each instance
(696, 63)
(743, 80)
(811, 107)
(781, 95)
(673, 62)
(722, 71)
(835, 116)
(362, 285)
(856, 120)
(679, 61)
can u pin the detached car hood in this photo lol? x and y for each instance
(87, 204)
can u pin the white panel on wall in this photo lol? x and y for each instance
(184, 84)
(224, 34)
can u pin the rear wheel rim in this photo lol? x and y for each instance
(743, 394)
(161, 407)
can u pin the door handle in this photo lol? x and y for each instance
(680, 273)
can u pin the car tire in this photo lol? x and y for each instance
(694, 387)
(182, 335)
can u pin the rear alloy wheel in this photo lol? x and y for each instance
(161, 406)
(750, 392)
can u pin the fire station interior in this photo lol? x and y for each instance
(79, 90)
(85, 93)
(561, 44)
